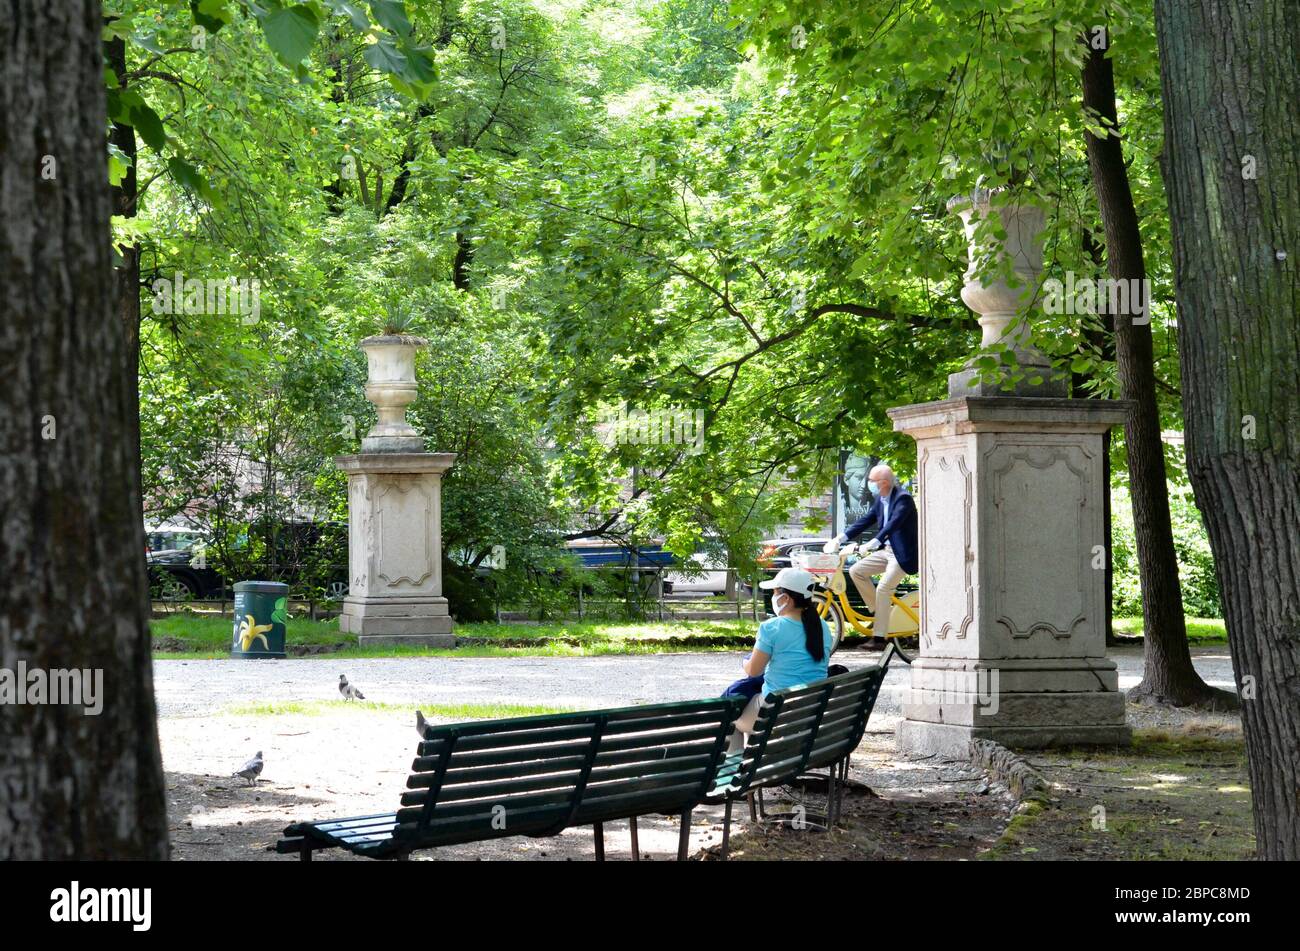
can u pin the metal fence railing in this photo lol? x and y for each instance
(647, 592)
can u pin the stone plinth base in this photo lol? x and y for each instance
(947, 741)
(1012, 576)
(385, 622)
(395, 550)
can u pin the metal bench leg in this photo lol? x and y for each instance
(831, 801)
(726, 829)
(684, 839)
(305, 853)
(599, 829)
(753, 815)
(636, 847)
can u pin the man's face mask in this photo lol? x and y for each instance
(874, 487)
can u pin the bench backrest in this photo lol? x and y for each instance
(661, 758)
(537, 775)
(783, 734)
(808, 727)
(845, 719)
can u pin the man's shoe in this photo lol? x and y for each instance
(876, 644)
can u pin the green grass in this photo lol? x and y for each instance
(1200, 630)
(194, 637)
(191, 637)
(439, 711)
(201, 633)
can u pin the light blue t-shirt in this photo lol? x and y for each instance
(791, 664)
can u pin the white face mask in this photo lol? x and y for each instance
(780, 602)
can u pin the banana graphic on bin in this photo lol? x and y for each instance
(261, 612)
(249, 631)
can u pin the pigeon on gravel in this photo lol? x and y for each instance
(421, 723)
(250, 770)
(349, 692)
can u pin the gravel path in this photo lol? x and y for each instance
(200, 687)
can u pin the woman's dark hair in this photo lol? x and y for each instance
(813, 638)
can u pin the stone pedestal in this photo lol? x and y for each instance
(395, 549)
(1012, 575)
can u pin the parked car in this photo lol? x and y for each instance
(701, 574)
(311, 557)
(177, 561)
(599, 552)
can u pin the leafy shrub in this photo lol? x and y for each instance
(1192, 544)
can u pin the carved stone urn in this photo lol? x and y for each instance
(395, 513)
(391, 386)
(1003, 309)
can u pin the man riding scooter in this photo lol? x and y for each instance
(893, 553)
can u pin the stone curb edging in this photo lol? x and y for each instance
(1025, 783)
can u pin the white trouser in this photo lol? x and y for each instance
(879, 562)
(744, 724)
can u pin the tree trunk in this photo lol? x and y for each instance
(1102, 338)
(126, 291)
(1168, 675)
(72, 784)
(1231, 85)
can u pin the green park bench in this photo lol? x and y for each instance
(797, 731)
(537, 776)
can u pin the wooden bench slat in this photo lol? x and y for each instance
(661, 738)
(521, 802)
(646, 754)
(492, 741)
(692, 766)
(504, 789)
(459, 775)
(512, 754)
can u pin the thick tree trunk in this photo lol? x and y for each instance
(72, 785)
(1231, 84)
(1168, 674)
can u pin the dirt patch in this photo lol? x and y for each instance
(1176, 795)
(913, 810)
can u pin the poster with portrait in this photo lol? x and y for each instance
(851, 498)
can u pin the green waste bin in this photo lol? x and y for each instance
(261, 609)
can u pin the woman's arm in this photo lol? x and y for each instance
(755, 663)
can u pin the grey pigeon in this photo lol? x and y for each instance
(251, 770)
(349, 692)
(421, 723)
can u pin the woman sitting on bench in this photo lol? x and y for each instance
(792, 648)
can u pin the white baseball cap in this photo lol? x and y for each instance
(792, 579)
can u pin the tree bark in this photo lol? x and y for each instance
(1168, 675)
(72, 785)
(1231, 87)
